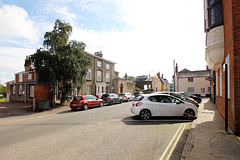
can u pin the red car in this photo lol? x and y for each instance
(84, 102)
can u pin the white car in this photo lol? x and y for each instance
(150, 105)
(127, 96)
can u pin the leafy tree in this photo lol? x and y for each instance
(3, 90)
(61, 61)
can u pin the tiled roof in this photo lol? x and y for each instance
(200, 73)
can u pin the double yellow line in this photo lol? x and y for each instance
(176, 137)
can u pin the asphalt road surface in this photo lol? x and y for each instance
(107, 133)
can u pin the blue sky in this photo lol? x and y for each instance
(141, 36)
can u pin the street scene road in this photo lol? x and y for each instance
(109, 132)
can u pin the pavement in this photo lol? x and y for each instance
(207, 139)
(11, 112)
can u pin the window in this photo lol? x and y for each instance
(190, 79)
(209, 89)
(32, 91)
(89, 75)
(190, 89)
(220, 81)
(20, 89)
(99, 64)
(14, 88)
(30, 76)
(88, 90)
(99, 76)
(107, 66)
(77, 98)
(216, 84)
(215, 13)
(88, 97)
(153, 98)
(107, 77)
(166, 99)
(20, 77)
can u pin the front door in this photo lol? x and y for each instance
(203, 92)
(100, 89)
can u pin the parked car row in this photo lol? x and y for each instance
(88, 101)
(146, 105)
(182, 97)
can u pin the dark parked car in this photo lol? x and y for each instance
(198, 99)
(84, 102)
(137, 94)
(111, 98)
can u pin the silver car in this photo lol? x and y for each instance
(150, 105)
(127, 96)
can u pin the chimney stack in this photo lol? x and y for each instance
(99, 54)
(176, 68)
(158, 74)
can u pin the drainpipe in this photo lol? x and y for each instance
(226, 98)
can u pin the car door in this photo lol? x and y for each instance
(95, 101)
(115, 98)
(89, 101)
(169, 106)
(154, 105)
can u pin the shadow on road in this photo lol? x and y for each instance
(136, 120)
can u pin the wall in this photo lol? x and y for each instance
(198, 83)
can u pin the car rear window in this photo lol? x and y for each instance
(105, 95)
(140, 98)
(122, 94)
(77, 98)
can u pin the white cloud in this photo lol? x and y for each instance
(16, 23)
(161, 32)
(65, 14)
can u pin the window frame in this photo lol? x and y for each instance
(99, 76)
(190, 79)
(107, 77)
(20, 91)
(99, 64)
(108, 66)
(89, 75)
(210, 8)
(31, 91)
(190, 89)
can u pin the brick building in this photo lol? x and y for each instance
(222, 27)
(151, 84)
(26, 89)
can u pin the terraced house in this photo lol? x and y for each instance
(100, 76)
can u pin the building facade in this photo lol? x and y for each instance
(26, 89)
(193, 82)
(151, 84)
(99, 78)
(121, 85)
(222, 26)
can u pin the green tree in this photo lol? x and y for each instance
(3, 90)
(61, 61)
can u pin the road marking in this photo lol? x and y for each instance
(238, 138)
(180, 128)
(169, 155)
